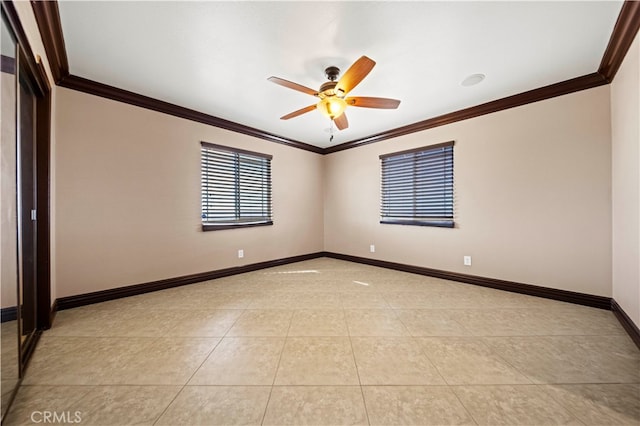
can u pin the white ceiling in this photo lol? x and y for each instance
(215, 57)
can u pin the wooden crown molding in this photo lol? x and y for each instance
(624, 32)
(48, 18)
(110, 92)
(35, 68)
(558, 89)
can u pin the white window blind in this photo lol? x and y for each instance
(417, 186)
(236, 187)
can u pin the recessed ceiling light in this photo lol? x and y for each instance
(473, 79)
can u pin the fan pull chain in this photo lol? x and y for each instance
(331, 130)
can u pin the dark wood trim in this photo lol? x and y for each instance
(624, 32)
(7, 64)
(600, 302)
(47, 16)
(34, 70)
(43, 203)
(9, 314)
(531, 290)
(98, 89)
(630, 327)
(48, 20)
(622, 37)
(42, 83)
(553, 90)
(132, 290)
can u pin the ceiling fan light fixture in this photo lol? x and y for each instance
(332, 94)
(332, 106)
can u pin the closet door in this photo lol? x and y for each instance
(9, 335)
(27, 208)
(25, 202)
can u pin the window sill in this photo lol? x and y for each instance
(436, 223)
(211, 227)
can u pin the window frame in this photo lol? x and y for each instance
(212, 226)
(441, 221)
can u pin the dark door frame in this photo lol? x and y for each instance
(35, 71)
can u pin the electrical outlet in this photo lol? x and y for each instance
(372, 248)
(240, 254)
(467, 260)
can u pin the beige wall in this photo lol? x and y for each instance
(532, 197)
(128, 198)
(625, 130)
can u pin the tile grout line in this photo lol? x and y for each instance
(188, 380)
(355, 364)
(424, 353)
(409, 333)
(162, 413)
(446, 383)
(196, 370)
(275, 374)
(481, 339)
(452, 390)
(543, 388)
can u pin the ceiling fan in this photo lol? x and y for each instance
(333, 94)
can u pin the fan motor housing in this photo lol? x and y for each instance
(327, 89)
(332, 73)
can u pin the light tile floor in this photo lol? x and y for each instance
(9, 375)
(330, 342)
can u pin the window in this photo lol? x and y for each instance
(236, 188)
(417, 186)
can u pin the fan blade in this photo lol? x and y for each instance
(298, 112)
(341, 121)
(354, 75)
(292, 85)
(367, 102)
